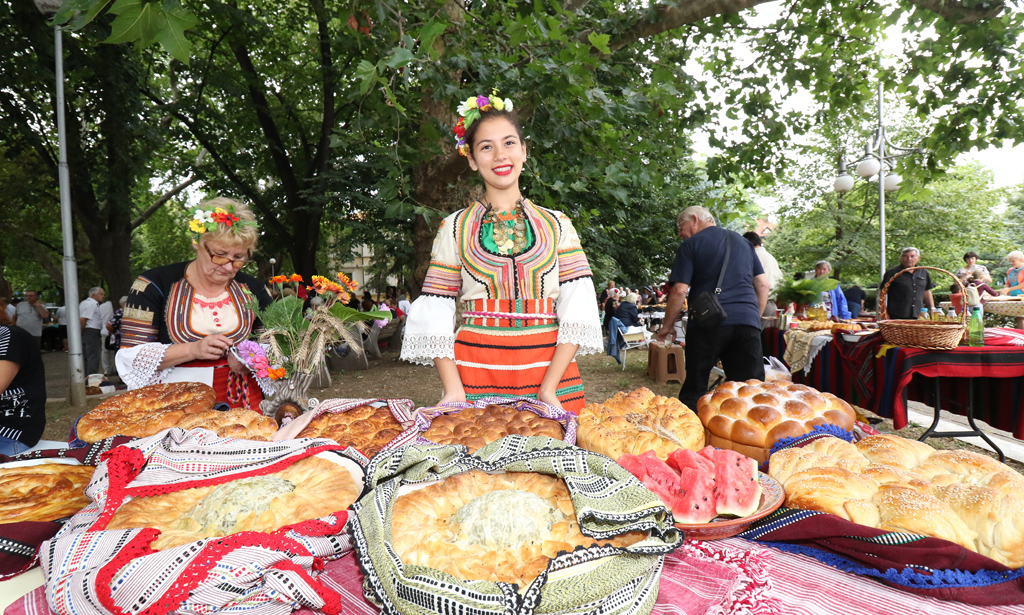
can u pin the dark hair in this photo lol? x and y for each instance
(970, 255)
(470, 135)
(753, 238)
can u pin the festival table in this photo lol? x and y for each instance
(826, 373)
(986, 379)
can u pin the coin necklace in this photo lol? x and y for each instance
(509, 234)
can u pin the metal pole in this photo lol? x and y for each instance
(881, 181)
(75, 363)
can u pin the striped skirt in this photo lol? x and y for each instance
(505, 347)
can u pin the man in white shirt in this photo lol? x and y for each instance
(404, 305)
(30, 315)
(771, 269)
(62, 325)
(91, 323)
(106, 358)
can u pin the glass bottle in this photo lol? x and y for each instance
(923, 315)
(976, 328)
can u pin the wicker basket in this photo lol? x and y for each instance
(929, 335)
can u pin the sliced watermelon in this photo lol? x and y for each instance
(695, 501)
(737, 490)
(659, 472)
(633, 465)
(683, 458)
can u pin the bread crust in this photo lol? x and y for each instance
(426, 530)
(636, 422)
(478, 427)
(750, 417)
(309, 488)
(44, 492)
(240, 423)
(366, 428)
(904, 485)
(146, 411)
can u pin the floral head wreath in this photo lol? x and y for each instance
(208, 220)
(469, 112)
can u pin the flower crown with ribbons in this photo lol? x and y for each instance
(208, 220)
(469, 112)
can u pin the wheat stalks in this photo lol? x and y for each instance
(646, 423)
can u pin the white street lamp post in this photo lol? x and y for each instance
(273, 262)
(75, 363)
(876, 161)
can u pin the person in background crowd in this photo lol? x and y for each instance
(834, 300)
(604, 293)
(22, 389)
(1014, 275)
(771, 269)
(30, 315)
(404, 304)
(972, 271)
(182, 320)
(91, 321)
(737, 340)
(855, 297)
(106, 357)
(62, 325)
(608, 308)
(627, 312)
(113, 326)
(8, 308)
(909, 292)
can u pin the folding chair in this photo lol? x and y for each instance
(639, 339)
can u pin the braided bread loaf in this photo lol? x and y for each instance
(44, 492)
(636, 422)
(146, 411)
(902, 485)
(478, 427)
(240, 423)
(366, 428)
(750, 417)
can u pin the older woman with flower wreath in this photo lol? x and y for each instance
(182, 320)
(524, 281)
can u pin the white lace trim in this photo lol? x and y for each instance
(423, 348)
(586, 336)
(145, 366)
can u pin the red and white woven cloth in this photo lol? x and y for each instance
(93, 570)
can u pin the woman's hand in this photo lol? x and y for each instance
(549, 397)
(1004, 291)
(237, 366)
(211, 347)
(453, 396)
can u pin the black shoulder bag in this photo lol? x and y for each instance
(705, 309)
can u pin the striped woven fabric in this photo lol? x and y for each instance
(509, 357)
(93, 570)
(572, 265)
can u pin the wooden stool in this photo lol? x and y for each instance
(666, 363)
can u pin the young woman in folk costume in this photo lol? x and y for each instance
(181, 320)
(528, 296)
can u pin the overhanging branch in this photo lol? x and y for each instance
(170, 194)
(663, 18)
(956, 12)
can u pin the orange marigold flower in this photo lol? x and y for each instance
(347, 282)
(295, 278)
(278, 279)
(276, 374)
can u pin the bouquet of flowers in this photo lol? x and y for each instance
(297, 341)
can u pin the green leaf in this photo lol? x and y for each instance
(172, 36)
(428, 35)
(400, 57)
(600, 42)
(347, 314)
(366, 73)
(132, 22)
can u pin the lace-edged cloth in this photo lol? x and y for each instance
(423, 348)
(145, 366)
(587, 336)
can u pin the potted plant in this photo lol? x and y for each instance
(295, 341)
(803, 292)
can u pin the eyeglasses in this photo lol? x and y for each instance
(219, 259)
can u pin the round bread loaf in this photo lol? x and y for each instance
(240, 423)
(146, 411)
(902, 485)
(44, 492)
(365, 428)
(637, 422)
(477, 427)
(845, 326)
(750, 417)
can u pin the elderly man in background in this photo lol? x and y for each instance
(30, 315)
(771, 269)
(909, 292)
(698, 265)
(91, 322)
(834, 300)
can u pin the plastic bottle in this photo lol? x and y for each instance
(951, 315)
(923, 315)
(976, 328)
(938, 315)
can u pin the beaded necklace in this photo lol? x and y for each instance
(509, 234)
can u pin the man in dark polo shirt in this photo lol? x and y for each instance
(737, 341)
(909, 292)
